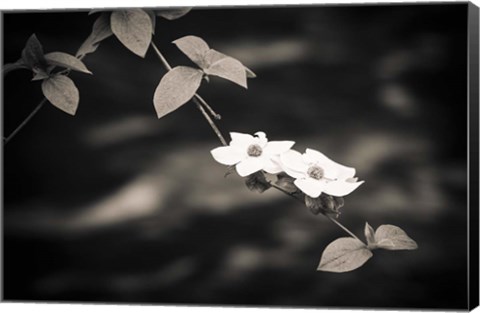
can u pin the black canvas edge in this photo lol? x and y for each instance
(2, 226)
(473, 117)
(473, 132)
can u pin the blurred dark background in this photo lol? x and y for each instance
(113, 205)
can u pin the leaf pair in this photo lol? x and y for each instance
(181, 83)
(57, 88)
(213, 62)
(347, 253)
(132, 27)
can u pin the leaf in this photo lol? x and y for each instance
(391, 237)
(213, 56)
(41, 75)
(32, 54)
(9, 67)
(153, 18)
(195, 48)
(230, 69)
(343, 255)
(250, 73)
(100, 31)
(93, 11)
(176, 88)
(67, 61)
(173, 14)
(369, 234)
(133, 28)
(62, 93)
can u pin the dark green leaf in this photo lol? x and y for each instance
(172, 14)
(133, 28)
(195, 48)
(176, 88)
(391, 237)
(100, 31)
(67, 61)
(344, 255)
(230, 69)
(32, 54)
(62, 93)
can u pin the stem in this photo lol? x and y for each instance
(341, 226)
(196, 99)
(161, 57)
(327, 216)
(199, 102)
(211, 122)
(7, 68)
(205, 104)
(25, 121)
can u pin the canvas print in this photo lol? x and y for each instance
(282, 156)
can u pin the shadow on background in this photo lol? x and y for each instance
(114, 205)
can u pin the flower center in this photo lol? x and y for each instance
(254, 151)
(315, 172)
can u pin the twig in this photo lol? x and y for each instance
(205, 104)
(326, 215)
(199, 102)
(211, 122)
(7, 68)
(196, 99)
(25, 121)
(161, 57)
(342, 227)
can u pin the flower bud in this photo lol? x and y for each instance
(257, 182)
(324, 204)
(286, 182)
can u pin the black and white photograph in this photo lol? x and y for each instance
(319, 156)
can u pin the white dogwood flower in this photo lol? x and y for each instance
(314, 173)
(251, 154)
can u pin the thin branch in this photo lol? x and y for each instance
(196, 99)
(342, 227)
(205, 104)
(160, 56)
(25, 121)
(199, 102)
(9, 67)
(326, 215)
(211, 122)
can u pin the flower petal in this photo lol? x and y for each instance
(292, 161)
(241, 141)
(277, 147)
(260, 139)
(311, 187)
(250, 165)
(227, 155)
(343, 172)
(273, 165)
(340, 188)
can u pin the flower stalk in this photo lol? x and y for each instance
(324, 214)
